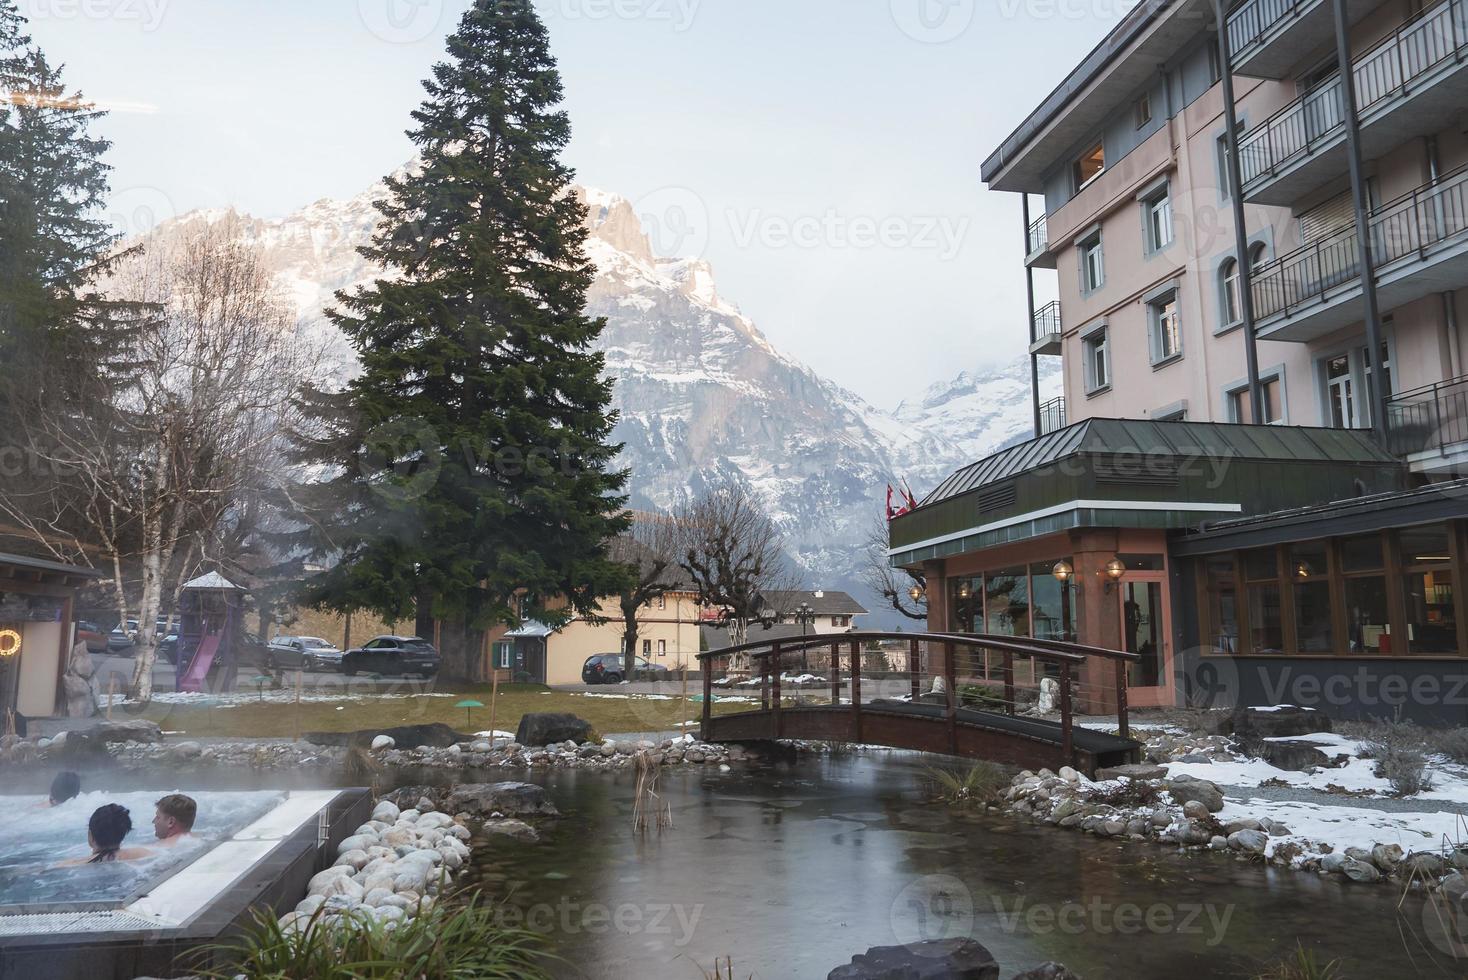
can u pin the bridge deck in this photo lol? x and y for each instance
(1029, 742)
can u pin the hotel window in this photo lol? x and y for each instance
(1052, 603)
(1091, 165)
(1309, 566)
(1157, 218)
(1266, 620)
(1007, 602)
(966, 602)
(1215, 63)
(1231, 302)
(1340, 392)
(1144, 111)
(1221, 605)
(1093, 264)
(1165, 330)
(1432, 620)
(662, 648)
(1368, 617)
(1271, 392)
(1097, 361)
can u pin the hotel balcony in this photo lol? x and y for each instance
(1419, 244)
(1412, 83)
(1267, 37)
(1429, 426)
(1037, 245)
(1045, 330)
(1052, 416)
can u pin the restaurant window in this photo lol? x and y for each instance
(1428, 584)
(1157, 221)
(1093, 264)
(1221, 604)
(966, 602)
(1309, 566)
(1052, 603)
(1007, 602)
(1368, 616)
(1097, 361)
(1271, 393)
(1164, 328)
(1266, 622)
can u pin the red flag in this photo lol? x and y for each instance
(890, 515)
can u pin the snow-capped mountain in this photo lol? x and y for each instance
(703, 396)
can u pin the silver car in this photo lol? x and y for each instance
(310, 652)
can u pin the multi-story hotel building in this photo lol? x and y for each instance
(1251, 479)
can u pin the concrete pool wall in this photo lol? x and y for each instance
(266, 864)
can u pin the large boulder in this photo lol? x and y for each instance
(1298, 756)
(1284, 721)
(1047, 971)
(1143, 770)
(1185, 789)
(545, 728)
(434, 736)
(90, 744)
(942, 959)
(507, 799)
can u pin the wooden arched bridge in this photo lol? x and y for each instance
(973, 713)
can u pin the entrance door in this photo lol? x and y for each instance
(1146, 630)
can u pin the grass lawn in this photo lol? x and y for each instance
(273, 719)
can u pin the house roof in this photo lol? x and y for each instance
(717, 637)
(1142, 437)
(212, 580)
(47, 567)
(823, 601)
(531, 629)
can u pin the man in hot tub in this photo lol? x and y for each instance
(174, 820)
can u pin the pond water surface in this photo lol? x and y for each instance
(790, 869)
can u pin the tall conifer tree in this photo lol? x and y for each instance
(470, 459)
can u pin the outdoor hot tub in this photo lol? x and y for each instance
(133, 918)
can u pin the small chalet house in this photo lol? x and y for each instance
(825, 612)
(37, 630)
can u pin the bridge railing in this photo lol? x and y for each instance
(1001, 674)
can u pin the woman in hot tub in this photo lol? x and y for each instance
(106, 830)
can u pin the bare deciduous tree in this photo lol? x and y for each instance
(894, 585)
(735, 556)
(650, 549)
(154, 471)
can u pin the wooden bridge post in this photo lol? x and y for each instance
(1124, 724)
(1067, 743)
(856, 688)
(914, 668)
(775, 700)
(1009, 682)
(836, 674)
(708, 698)
(950, 678)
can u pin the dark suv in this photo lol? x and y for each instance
(606, 668)
(403, 655)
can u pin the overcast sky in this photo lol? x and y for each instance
(822, 154)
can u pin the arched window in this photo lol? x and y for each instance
(1228, 274)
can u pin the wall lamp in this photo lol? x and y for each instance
(1115, 569)
(915, 593)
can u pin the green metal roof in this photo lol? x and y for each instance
(1133, 437)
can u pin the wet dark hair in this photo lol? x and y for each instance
(108, 826)
(65, 786)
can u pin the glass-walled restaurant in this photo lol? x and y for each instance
(1365, 624)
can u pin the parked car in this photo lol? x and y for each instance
(168, 647)
(309, 652)
(607, 668)
(94, 638)
(405, 655)
(121, 637)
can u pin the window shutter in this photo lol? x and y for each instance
(1325, 218)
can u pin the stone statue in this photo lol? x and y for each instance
(78, 683)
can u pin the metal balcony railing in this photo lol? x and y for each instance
(1431, 419)
(1414, 224)
(1052, 416)
(1387, 71)
(1038, 237)
(1253, 19)
(1047, 321)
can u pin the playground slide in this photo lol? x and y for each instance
(199, 666)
